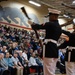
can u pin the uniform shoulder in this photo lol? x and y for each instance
(48, 23)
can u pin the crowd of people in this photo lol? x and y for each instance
(19, 51)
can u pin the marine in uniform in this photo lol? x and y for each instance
(53, 32)
(70, 52)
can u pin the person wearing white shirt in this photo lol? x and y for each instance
(24, 54)
(33, 64)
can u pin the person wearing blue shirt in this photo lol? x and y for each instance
(10, 64)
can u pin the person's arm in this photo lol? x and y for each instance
(4, 65)
(66, 32)
(63, 45)
(38, 61)
(35, 26)
(11, 64)
(20, 64)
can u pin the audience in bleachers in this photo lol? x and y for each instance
(17, 46)
(19, 51)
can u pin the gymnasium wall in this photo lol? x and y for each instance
(11, 14)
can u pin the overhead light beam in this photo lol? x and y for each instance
(34, 3)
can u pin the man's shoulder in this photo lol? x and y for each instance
(49, 23)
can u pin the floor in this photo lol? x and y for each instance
(42, 74)
(57, 72)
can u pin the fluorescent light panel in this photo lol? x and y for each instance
(34, 3)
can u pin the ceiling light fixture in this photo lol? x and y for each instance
(74, 20)
(34, 3)
(73, 3)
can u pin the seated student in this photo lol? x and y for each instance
(29, 53)
(61, 62)
(17, 63)
(24, 54)
(33, 64)
(10, 63)
(4, 49)
(39, 61)
(3, 65)
(24, 64)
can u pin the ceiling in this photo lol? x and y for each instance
(57, 4)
